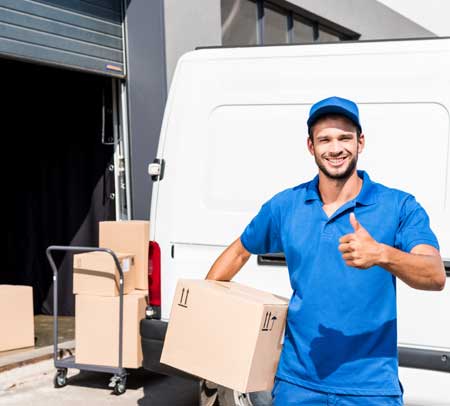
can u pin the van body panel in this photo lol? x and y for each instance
(234, 134)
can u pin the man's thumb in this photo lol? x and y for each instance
(355, 224)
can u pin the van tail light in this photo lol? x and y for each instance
(154, 281)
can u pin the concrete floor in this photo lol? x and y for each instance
(32, 385)
(27, 380)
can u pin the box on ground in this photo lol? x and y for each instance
(226, 332)
(16, 317)
(95, 273)
(128, 236)
(97, 329)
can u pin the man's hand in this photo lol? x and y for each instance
(422, 268)
(359, 249)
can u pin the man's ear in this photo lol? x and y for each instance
(361, 143)
(310, 145)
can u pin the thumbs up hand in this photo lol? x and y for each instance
(359, 249)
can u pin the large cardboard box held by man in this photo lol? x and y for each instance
(226, 332)
(16, 317)
(95, 273)
(97, 329)
(128, 236)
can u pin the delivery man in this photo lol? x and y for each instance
(345, 239)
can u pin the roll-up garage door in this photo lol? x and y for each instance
(80, 34)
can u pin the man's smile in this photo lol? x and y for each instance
(337, 161)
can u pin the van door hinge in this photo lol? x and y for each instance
(156, 169)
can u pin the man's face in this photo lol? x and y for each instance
(335, 146)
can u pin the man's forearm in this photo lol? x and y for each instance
(419, 271)
(229, 262)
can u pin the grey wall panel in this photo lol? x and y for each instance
(109, 10)
(33, 53)
(85, 35)
(52, 13)
(147, 93)
(57, 42)
(58, 28)
(110, 4)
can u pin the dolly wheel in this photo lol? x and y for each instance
(120, 387)
(60, 379)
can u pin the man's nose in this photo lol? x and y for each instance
(335, 147)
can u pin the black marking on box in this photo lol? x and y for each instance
(183, 299)
(269, 321)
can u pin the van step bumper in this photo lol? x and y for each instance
(153, 333)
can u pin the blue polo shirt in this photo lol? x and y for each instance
(341, 328)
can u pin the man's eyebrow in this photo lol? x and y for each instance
(325, 136)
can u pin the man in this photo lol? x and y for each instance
(346, 239)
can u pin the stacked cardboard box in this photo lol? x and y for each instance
(16, 317)
(97, 288)
(128, 236)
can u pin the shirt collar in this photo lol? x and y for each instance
(312, 190)
(365, 197)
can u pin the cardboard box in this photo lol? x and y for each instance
(95, 273)
(128, 236)
(226, 332)
(97, 329)
(16, 317)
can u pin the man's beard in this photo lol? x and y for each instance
(338, 176)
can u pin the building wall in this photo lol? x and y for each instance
(189, 24)
(147, 93)
(372, 19)
(158, 33)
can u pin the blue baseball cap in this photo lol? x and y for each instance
(334, 105)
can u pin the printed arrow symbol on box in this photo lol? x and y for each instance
(273, 321)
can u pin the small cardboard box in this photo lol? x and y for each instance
(16, 317)
(97, 329)
(95, 273)
(128, 236)
(226, 332)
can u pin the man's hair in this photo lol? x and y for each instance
(311, 129)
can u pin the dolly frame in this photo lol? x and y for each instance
(118, 381)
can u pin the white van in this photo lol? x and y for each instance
(234, 134)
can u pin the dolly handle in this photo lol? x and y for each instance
(55, 291)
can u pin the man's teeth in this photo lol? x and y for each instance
(336, 160)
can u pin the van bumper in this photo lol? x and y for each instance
(153, 333)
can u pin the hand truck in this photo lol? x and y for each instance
(119, 380)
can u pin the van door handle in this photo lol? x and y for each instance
(447, 268)
(277, 259)
(156, 169)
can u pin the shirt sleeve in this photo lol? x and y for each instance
(414, 227)
(262, 235)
